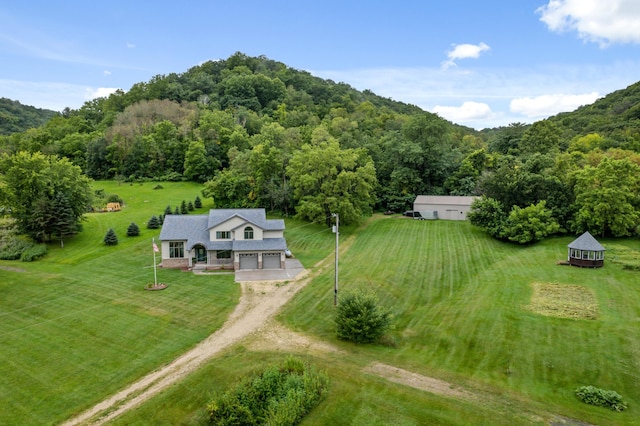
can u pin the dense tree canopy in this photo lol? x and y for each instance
(326, 179)
(608, 198)
(260, 134)
(15, 117)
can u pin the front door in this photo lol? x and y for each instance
(201, 254)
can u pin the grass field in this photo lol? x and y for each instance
(76, 325)
(459, 298)
(460, 301)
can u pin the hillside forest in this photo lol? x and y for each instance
(257, 133)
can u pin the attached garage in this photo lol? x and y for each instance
(248, 260)
(271, 261)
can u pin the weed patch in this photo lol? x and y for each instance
(625, 256)
(279, 395)
(563, 301)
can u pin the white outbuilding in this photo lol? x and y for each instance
(448, 207)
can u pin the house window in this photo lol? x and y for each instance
(176, 249)
(248, 233)
(223, 235)
(224, 254)
(600, 255)
(585, 255)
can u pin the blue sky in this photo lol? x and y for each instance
(477, 63)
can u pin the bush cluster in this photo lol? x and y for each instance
(115, 198)
(278, 395)
(601, 398)
(14, 247)
(360, 319)
(33, 252)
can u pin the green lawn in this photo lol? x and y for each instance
(77, 325)
(458, 297)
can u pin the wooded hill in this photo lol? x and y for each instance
(15, 117)
(259, 133)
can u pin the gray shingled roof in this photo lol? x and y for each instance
(586, 241)
(189, 228)
(266, 244)
(194, 229)
(255, 216)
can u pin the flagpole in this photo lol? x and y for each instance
(155, 273)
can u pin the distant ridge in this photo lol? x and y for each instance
(16, 117)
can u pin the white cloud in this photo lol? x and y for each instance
(130, 45)
(603, 22)
(106, 72)
(51, 95)
(547, 105)
(464, 51)
(468, 111)
(100, 92)
(430, 87)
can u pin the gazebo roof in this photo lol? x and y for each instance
(586, 241)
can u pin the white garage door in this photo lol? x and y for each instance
(270, 260)
(452, 214)
(249, 261)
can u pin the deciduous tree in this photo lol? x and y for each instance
(607, 199)
(326, 179)
(487, 213)
(530, 224)
(46, 195)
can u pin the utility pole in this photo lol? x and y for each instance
(336, 230)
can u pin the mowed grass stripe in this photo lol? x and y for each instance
(459, 300)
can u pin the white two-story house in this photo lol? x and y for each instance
(223, 239)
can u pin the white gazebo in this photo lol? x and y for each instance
(586, 251)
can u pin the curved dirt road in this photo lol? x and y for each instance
(258, 304)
